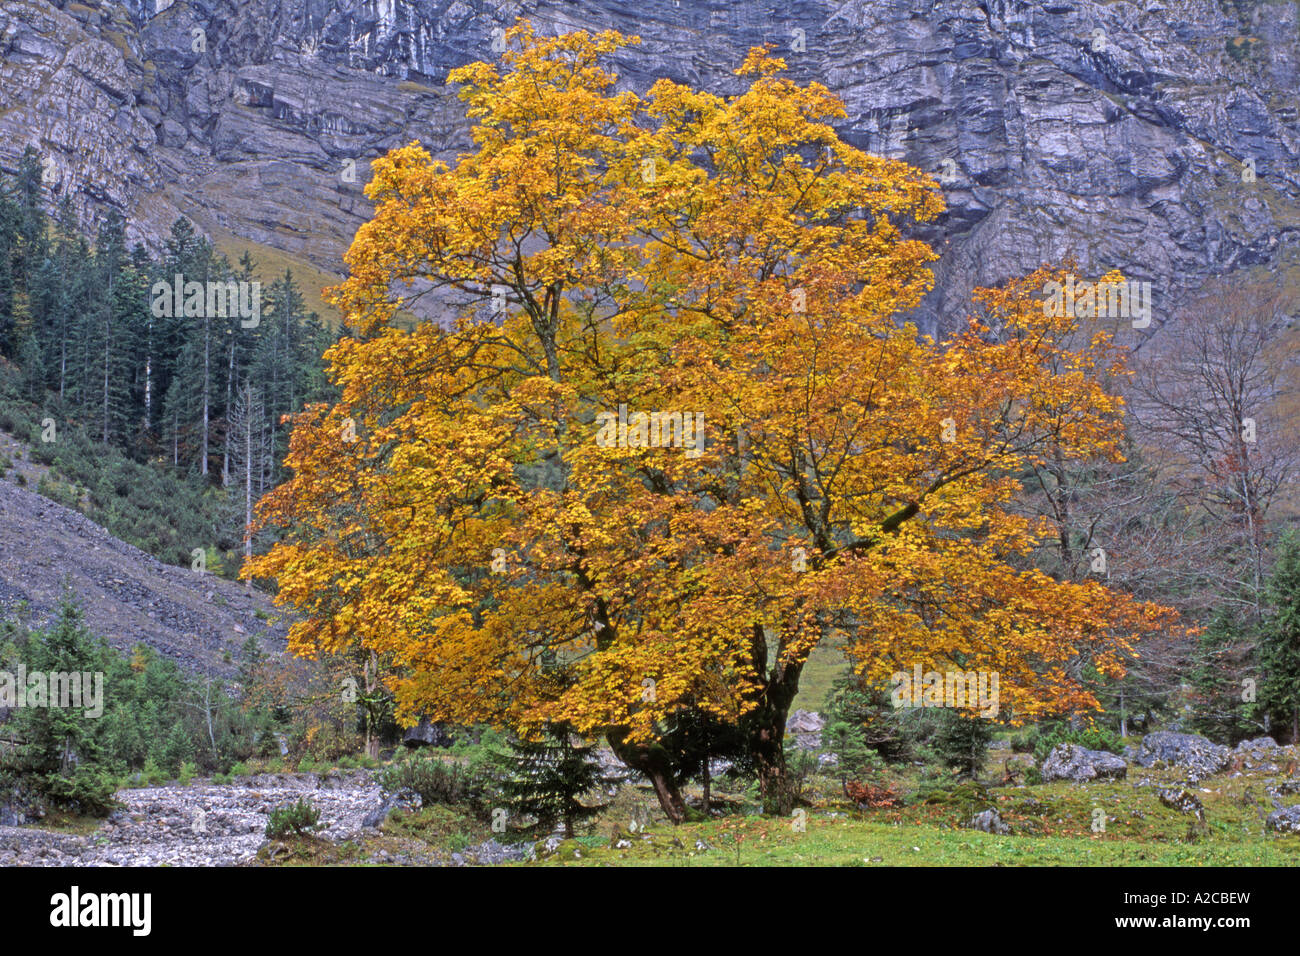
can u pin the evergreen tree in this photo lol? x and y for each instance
(963, 741)
(1279, 642)
(1222, 651)
(548, 776)
(56, 738)
(113, 318)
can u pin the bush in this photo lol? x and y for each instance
(152, 774)
(435, 781)
(1090, 738)
(1024, 740)
(296, 819)
(241, 769)
(86, 791)
(187, 773)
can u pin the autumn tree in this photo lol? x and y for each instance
(472, 508)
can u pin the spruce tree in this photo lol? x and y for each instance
(55, 738)
(1279, 641)
(548, 775)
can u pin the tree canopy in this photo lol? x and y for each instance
(471, 510)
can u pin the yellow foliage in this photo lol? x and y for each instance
(459, 512)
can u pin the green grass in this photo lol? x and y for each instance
(1052, 826)
(847, 841)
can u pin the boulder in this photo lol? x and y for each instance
(990, 822)
(1258, 743)
(1078, 764)
(1183, 801)
(427, 734)
(1286, 820)
(1196, 754)
(806, 725)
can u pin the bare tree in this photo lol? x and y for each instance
(1211, 400)
(251, 456)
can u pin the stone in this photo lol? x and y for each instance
(806, 726)
(1183, 801)
(1078, 764)
(1257, 743)
(1286, 820)
(1191, 752)
(990, 821)
(427, 734)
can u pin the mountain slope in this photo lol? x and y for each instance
(129, 597)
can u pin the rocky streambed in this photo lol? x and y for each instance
(209, 824)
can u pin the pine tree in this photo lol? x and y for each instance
(1279, 642)
(1221, 652)
(963, 741)
(56, 738)
(548, 776)
(112, 318)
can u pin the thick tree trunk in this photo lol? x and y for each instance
(765, 727)
(652, 761)
(767, 744)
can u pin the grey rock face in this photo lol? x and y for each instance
(1078, 764)
(1119, 133)
(1196, 754)
(1257, 743)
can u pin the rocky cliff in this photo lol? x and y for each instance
(1125, 134)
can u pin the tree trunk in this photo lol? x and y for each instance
(765, 728)
(767, 744)
(706, 780)
(652, 761)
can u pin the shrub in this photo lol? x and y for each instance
(435, 781)
(241, 769)
(296, 819)
(857, 760)
(1090, 738)
(86, 791)
(1024, 740)
(187, 773)
(152, 774)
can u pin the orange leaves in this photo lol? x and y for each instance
(477, 530)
